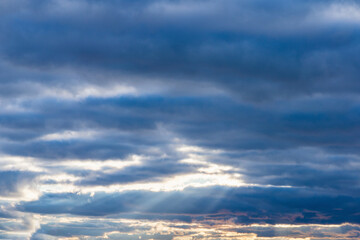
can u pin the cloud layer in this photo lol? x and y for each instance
(164, 119)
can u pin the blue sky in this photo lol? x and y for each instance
(179, 119)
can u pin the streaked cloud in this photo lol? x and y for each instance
(179, 120)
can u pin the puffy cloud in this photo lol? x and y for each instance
(17, 184)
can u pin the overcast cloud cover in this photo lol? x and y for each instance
(179, 119)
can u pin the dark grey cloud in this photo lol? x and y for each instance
(127, 124)
(246, 47)
(272, 86)
(247, 205)
(150, 171)
(285, 144)
(90, 228)
(209, 121)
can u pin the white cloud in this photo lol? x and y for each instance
(340, 13)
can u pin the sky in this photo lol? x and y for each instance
(179, 119)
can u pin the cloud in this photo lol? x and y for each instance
(243, 47)
(246, 205)
(149, 171)
(285, 144)
(133, 229)
(233, 116)
(17, 184)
